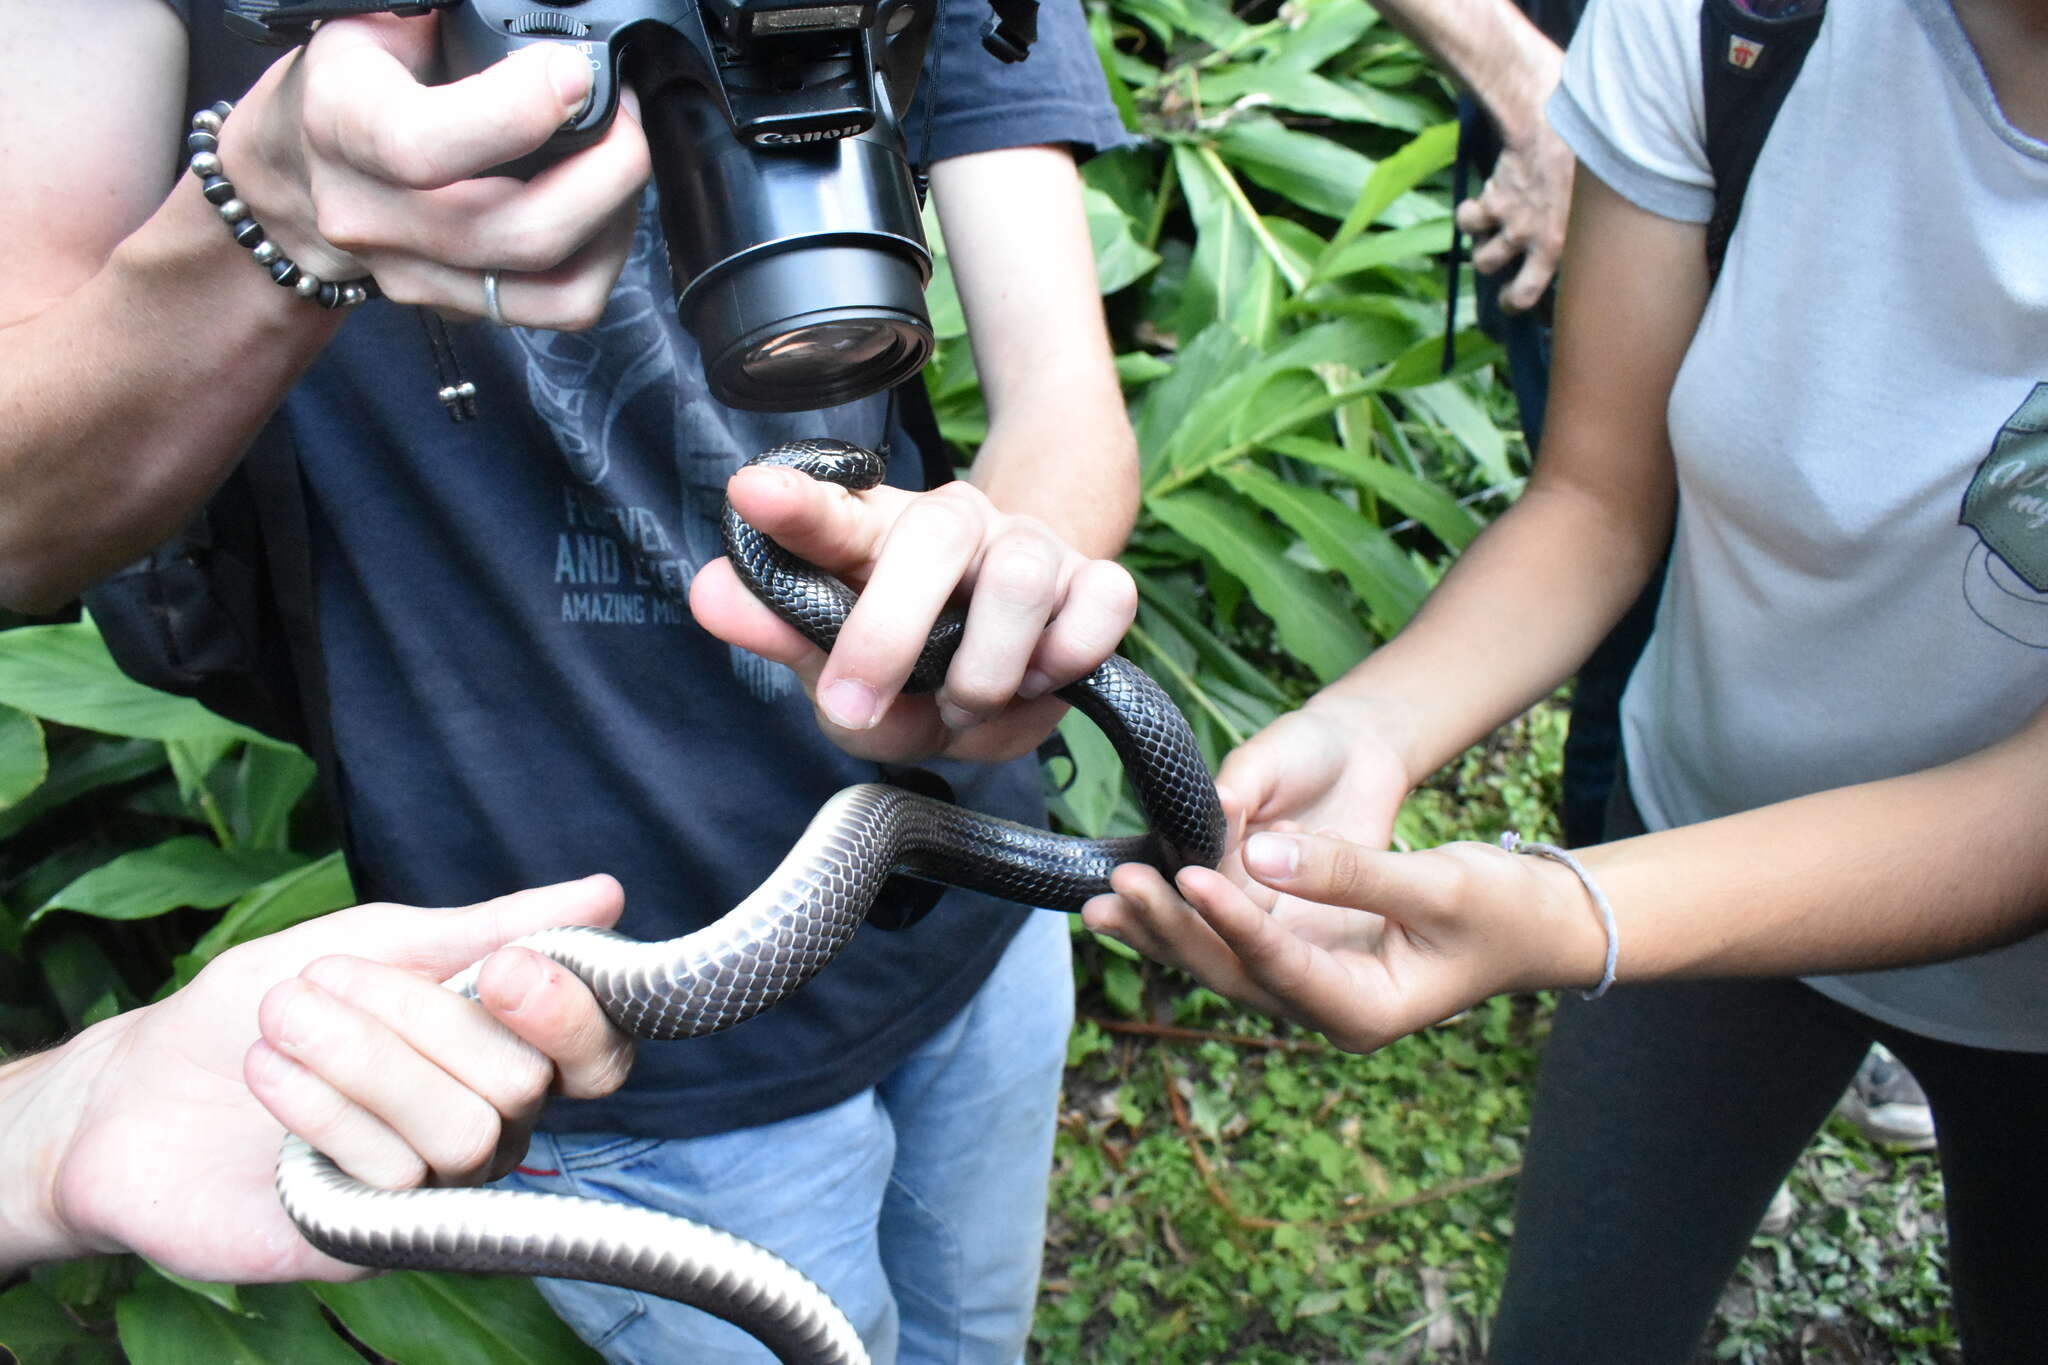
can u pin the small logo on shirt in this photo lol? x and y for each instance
(1744, 53)
(2006, 579)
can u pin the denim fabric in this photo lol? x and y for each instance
(918, 1205)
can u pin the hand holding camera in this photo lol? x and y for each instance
(355, 162)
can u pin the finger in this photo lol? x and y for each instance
(355, 1139)
(496, 222)
(478, 1051)
(724, 606)
(568, 298)
(1096, 612)
(1300, 981)
(1525, 291)
(366, 108)
(1476, 217)
(453, 1129)
(820, 522)
(930, 548)
(1497, 252)
(1412, 889)
(439, 943)
(1160, 924)
(544, 1004)
(1017, 586)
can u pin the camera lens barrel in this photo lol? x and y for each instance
(800, 270)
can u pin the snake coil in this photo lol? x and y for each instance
(755, 956)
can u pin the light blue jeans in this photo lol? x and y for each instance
(919, 1205)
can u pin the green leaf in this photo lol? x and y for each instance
(78, 770)
(1232, 274)
(1377, 570)
(1427, 153)
(1120, 258)
(223, 1296)
(24, 761)
(1215, 354)
(1311, 623)
(64, 674)
(37, 1330)
(161, 1324)
(191, 761)
(1092, 797)
(78, 973)
(279, 903)
(1316, 173)
(1414, 497)
(427, 1319)
(1375, 249)
(1451, 404)
(1124, 987)
(267, 789)
(187, 871)
(941, 296)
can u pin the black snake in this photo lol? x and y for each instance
(756, 955)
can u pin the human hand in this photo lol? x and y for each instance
(361, 1051)
(1334, 766)
(1039, 614)
(1520, 215)
(352, 165)
(1363, 946)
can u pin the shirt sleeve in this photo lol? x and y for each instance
(1631, 107)
(969, 102)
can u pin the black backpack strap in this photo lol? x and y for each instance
(1750, 53)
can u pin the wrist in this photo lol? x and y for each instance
(1377, 718)
(42, 1103)
(1573, 934)
(1518, 106)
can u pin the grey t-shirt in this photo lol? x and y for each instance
(1859, 581)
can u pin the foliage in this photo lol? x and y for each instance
(141, 836)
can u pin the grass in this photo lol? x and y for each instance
(1230, 1190)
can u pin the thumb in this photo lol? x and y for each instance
(1405, 887)
(441, 943)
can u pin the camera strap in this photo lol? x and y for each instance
(290, 25)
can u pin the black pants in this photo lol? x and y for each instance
(1666, 1116)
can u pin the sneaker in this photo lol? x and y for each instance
(1887, 1105)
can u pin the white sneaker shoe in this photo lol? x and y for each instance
(1887, 1105)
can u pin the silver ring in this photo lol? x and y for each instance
(491, 308)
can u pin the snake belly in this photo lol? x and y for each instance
(758, 954)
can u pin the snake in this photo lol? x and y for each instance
(759, 953)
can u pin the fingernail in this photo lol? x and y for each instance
(298, 1020)
(569, 74)
(1272, 855)
(956, 719)
(1034, 686)
(520, 983)
(849, 704)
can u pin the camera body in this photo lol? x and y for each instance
(787, 201)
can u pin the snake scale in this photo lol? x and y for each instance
(756, 955)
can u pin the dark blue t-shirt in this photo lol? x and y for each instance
(518, 692)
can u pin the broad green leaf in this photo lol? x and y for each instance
(1231, 274)
(1120, 258)
(268, 787)
(24, 761)
(1202, 364)
(37, 1331)
(1414, 497)
(1376, 249)
(1135, 369)
(10, 933)
(1423, 363)
(78, 973)
(161, 1324)
(1312, 624)
(186, 871)
(1313, 172)
(279, 903)
(1179, 612)
(941, 296)
(64, 673)
(1427, 153)
(1347, 542)
(1452, 405)
(223, 1296)
(427, 1319)
(1098, 781)
(1103, 36)
(78, 769)
(192, 759)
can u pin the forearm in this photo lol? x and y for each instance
(1493, 51)
(130, 399)
(1932, 865)
(1517, 614)
(1059, 446)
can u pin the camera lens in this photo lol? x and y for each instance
(806, 355)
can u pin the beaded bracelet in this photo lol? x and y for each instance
(1514, 843)
(203, 142)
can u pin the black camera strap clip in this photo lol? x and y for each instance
(1011, 30)
(290, 25)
